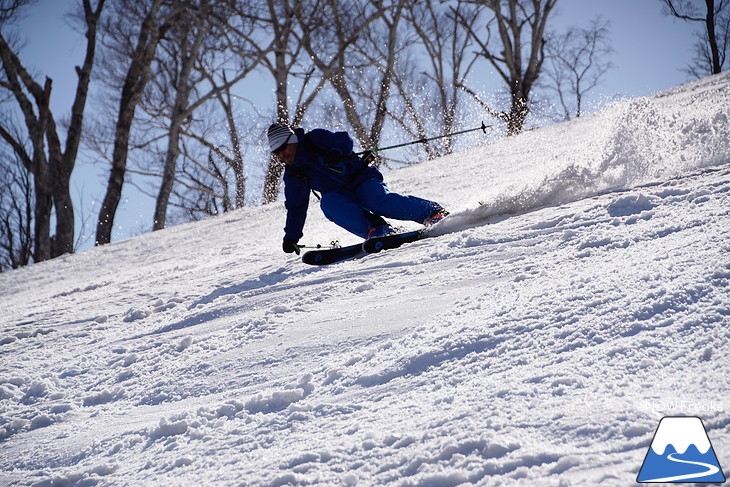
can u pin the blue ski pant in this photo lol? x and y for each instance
(357, 210)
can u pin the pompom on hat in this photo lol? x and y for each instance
(279, 135)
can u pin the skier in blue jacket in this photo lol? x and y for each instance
(352, 193)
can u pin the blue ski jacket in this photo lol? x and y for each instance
(324, 162)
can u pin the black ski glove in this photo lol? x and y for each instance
(368, 156)
(290, 246)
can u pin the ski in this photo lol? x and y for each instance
(327, 256)
(392, 241)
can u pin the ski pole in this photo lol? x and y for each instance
(483, 128)
(333, 244)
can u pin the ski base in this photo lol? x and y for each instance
(330, 256)
(393, 241)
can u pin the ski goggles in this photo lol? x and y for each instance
(281, 148)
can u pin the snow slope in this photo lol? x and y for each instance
(578, 294)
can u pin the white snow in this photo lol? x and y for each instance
(578, 294)
(680, 432)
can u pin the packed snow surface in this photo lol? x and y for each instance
(578, 294)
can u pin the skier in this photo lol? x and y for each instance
(352, 193)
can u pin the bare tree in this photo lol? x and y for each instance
(215, 165)
(231, 156)
(430, 95)
(64, 160)
(382, 48)
(577, 63)
(518, 54)
(208, 171)
(11, 9)
(146, 22)
(714, 42)
(331, 30)
(204, 45)
(52, 169)
(35, 161)
(210, 177)
(203, 185)
(202, 56)
(16, 212)
(277, 40)
(245, 53)
(176, 84)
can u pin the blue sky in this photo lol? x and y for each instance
(651, 50)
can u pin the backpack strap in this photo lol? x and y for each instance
(323, 152)
(304, 179)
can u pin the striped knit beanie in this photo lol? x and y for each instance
(279, 135)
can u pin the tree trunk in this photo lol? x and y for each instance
(517, 115)
(271, 181)
(43, 207)
(514, 20)
(168, 175)
(109, 205)
(276, 168)
(712, 38)
(63, 164)
(36, 125)
(65, 219)
(236, 162)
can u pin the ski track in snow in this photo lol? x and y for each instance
(583, 275)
